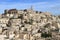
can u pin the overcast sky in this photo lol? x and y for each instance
(52, 6)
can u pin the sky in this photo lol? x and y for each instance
(52, 6)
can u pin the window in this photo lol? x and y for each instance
(39, 31)
(22, 26)
(25, 29)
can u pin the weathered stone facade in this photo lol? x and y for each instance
(29, 25)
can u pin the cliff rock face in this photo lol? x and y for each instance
(29, 25)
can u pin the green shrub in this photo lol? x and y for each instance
(45, 35)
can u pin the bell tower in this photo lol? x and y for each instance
(31, 7)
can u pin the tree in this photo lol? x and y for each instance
(45, 35)
(25, 10)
